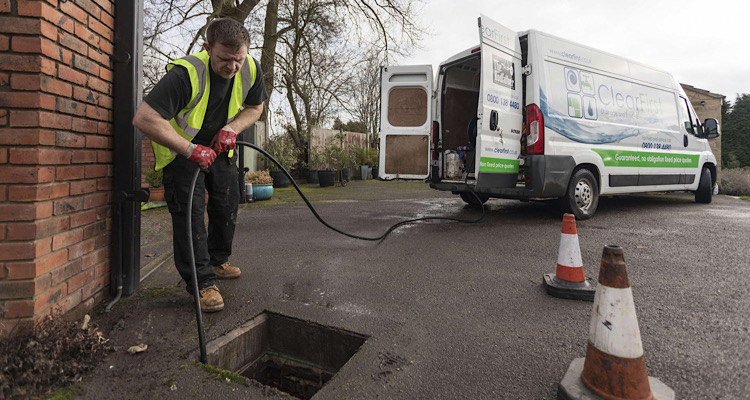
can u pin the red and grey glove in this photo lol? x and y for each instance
(224, 140)
(203, 156)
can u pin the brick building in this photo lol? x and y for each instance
(55, 156)
(707, 105)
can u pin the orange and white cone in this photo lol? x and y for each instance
(569, 281)
(614, 367)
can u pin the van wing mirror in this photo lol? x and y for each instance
(711, 128)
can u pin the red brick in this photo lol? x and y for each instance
(97, 285)
(82, 218)
(96, 200)
(52, 85)
(90, 7)
(104, 156)
(10, 251)
(101, 57)
(85, 64)
(16, 290)
(99, 85)
(39, 156)
(22, 118)
(82, 187)
(48, 67)
(61, 274)
(18, 309)
(26, 137)
(103, 240)
(3, 157)
(67, 139)
(20, 99)
(71, 75)
(4, 78)
(93, 258)
(65, 239)
(98, 113)
(107, 47)
(86, 95)
(69, 173)
(96, 171)
(38, 229)
(38, 9)
(94, 229)
(69, 302)
(69, 106)
(80, 249)
(74, 11)
(25, 82)
(84, 125)
(84, 156)
(13, 174)
(21, 63)
(97, 142)
(84, 33)
(30, 26)
(82, 278)
(108, 20)
(38, 267)
(25, 212)
(47, 101)
(68, 204)
(101, 29)
(106, 102)
(4, 43)
(105, 128)
(107, 6)
(4, 6)
(27, 44)
(73, 43)
(38, 192)
(48, 30)
(50, 298)
(55, 120)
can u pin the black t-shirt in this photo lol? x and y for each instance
(172, 93)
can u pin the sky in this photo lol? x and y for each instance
(705, 44)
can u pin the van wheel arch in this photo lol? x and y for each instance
(582, 193)
(594, 171)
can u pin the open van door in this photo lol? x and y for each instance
(500, 109)
(405, 121)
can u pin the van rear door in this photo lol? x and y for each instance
(405, 121)
(500, 110)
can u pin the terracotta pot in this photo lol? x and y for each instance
(157, 194)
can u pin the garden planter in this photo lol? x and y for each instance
(280, 180)
(364, 171)
(156, 194)
(375, 172)
(262, 191)
(346, 174)
(312, 176)
(327, 178)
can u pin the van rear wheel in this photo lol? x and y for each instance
(705, 189)
(582, 196)
(469, 198)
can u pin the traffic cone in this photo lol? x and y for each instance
(614, 367)
(569, 281)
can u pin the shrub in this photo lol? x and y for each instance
(261, 177)
(153, 178)
(735, 181)
(284, 151)
(365, 156)
(317, 159)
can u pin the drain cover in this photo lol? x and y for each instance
(295, 356)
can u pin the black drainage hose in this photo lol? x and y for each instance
(201, 335)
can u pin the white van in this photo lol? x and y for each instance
(531, 116)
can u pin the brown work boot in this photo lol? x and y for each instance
(227, 271)
(211, 299)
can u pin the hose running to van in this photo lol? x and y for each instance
(201, 335)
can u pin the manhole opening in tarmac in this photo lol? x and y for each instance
(292, 355)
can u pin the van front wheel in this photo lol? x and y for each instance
(582, 196)
(705, 191)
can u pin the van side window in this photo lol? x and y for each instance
(685, 119)
(407, 107)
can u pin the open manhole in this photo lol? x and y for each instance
(295, 356)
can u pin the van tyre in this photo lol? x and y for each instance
(470, 199)
(705, 189)
(582, 196)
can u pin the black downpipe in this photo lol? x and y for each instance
(126, 222)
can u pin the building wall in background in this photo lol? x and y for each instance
(55, 156)
(707, 105)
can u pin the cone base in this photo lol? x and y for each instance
(572, 387)
(569, 290)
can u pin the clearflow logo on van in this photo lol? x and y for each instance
(585, 97)
(496, 36)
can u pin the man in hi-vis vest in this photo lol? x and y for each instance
(192, 116)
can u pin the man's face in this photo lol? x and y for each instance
(225, 62)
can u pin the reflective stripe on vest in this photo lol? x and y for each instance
(189, 120)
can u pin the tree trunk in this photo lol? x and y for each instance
(268, 53)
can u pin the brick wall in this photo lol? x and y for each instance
(55, 156)
(707, 105)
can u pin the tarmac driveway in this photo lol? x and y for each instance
(453, 310)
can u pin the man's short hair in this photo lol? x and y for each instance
(228, 32)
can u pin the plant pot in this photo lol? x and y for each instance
(156, 194)
(346, 174)
(262, 191)
(280, 180)
(364, 171)
(312, 176)
(327, 178)
(375, 172)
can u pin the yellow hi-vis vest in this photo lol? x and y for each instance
(189, 120)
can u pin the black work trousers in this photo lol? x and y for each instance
(214, 249)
